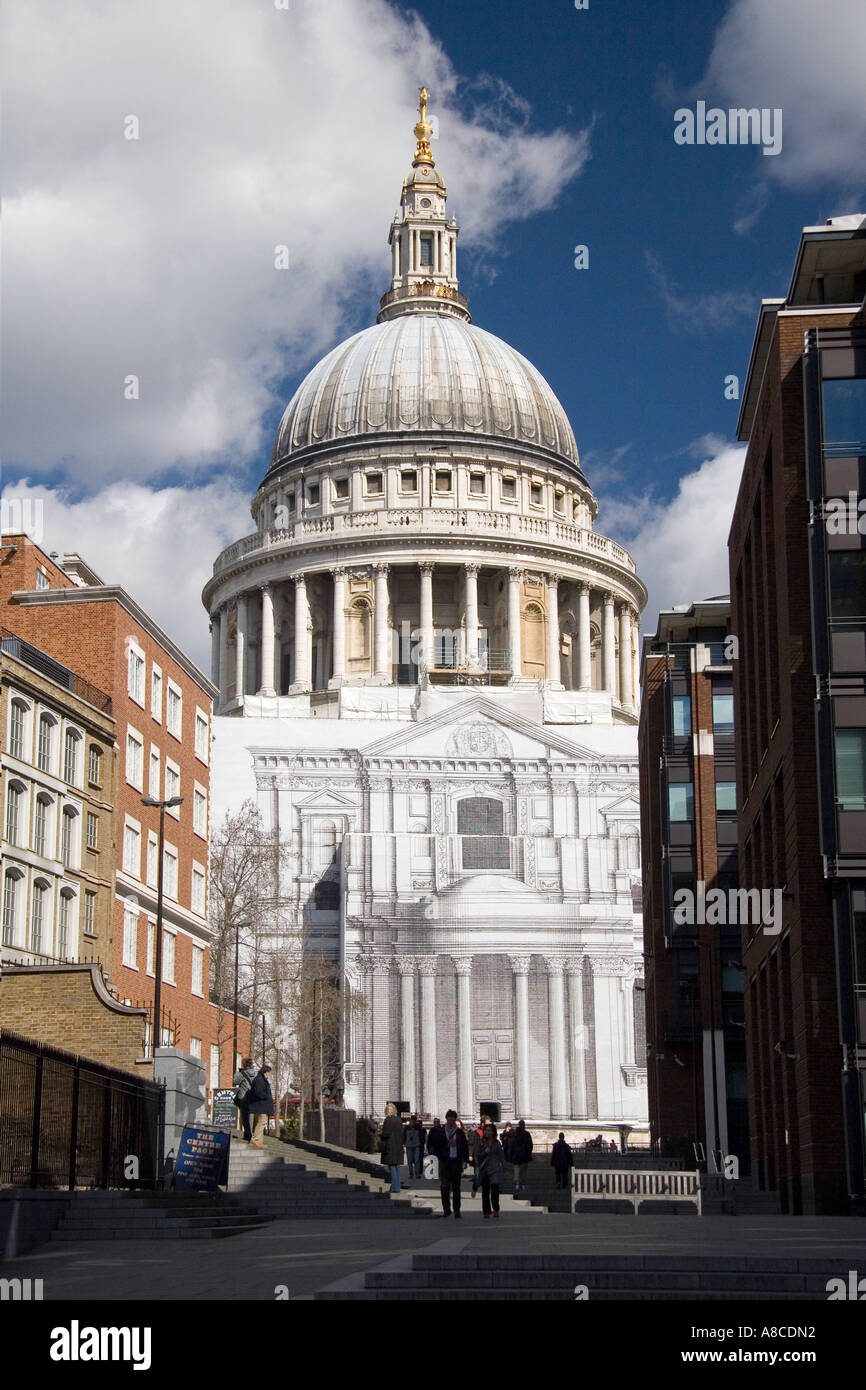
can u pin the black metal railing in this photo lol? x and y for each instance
(69, 1122)
(40, 661)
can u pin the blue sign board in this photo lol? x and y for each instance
(202, 1163)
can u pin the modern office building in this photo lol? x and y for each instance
(696, 1059)
(798, 593)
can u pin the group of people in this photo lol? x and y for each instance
(254, 1099)
(454, 1149)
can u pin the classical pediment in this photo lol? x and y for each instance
(477, 728)
(327, 799)
(623, 808)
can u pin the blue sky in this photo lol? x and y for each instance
(555, 129)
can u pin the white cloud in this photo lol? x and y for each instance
(158, 544)
(155, 257)
(680, 547)
(808, 59)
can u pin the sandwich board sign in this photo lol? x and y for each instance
(202, 1163)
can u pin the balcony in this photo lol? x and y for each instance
(460, 523)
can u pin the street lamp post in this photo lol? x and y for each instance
(157, 984)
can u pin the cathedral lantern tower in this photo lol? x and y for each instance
(427, 665)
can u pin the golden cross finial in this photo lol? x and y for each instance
(423, 131)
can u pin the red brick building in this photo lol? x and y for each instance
(162, 707)
(798, 592)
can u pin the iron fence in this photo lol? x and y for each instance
(70, 1122)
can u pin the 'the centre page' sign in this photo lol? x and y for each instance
(202, 1163)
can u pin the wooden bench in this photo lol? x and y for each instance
(607, 1184)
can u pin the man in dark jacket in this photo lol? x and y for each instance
(242, 1081)
(561, 1159)
(521, 1154)
(391, 1144)
(261, 1104)
(452, 1150)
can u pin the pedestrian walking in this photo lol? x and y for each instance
(452, 1150)
(521, 1155)
(261, 1104)
(391, 1144)
(507, 1140)
(561, 1159)
(489, 1171)
(413, 1147)
(242, 1081)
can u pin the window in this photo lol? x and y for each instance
(168, 956)
(94, 766)
(13, 811)
(535, 494)
(40, 824)
(92, 830)
(682, 715)
(290, 501)
(132, 850)
(723, 712)
(851, 769)
(409, 480)
(172, 786)
(42, 580)
(201, 736)
(43, 749)
(847, 574)
(214, 1065)
(67, 841)
(426, 248)
(89, 913)
(482, 817)
(174, 710)
(169, 874)
(134, 759)
(197, 897)
(726, 798)
(681, 801)
(195, 1047)
(341, 488)
(151, 947)
(37, 916)
(374, 484)
(156, 693)
(477, 484)
(153, 775)
(135, 683)
(199, 823)
(71, 741)
(509, 489)
(10, 906)
(197, 969)
(559, 502)
(130, 936)
(16, 729)
(152, 858)
(443, 480)
(313, 494)
(64, 923)
(845, 413)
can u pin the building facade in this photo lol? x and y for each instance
(694, 979)
(427, 670)
(799, 611)
(162, 708)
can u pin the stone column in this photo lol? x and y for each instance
(608, 648)
(625, 657)
(515, 578)
(470, 573)
(429, 1070)
(382, 638)
(338, 650)
(584, 642)
(215, 626)
(520, 968)
(241, 646)
(301, 684)
(267, 685)
(406, 967)
(553, 672)
(577, 1031)
(426, 616)
(635, 686)
(463, 971)
(556, 1037)
(380, 1030)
